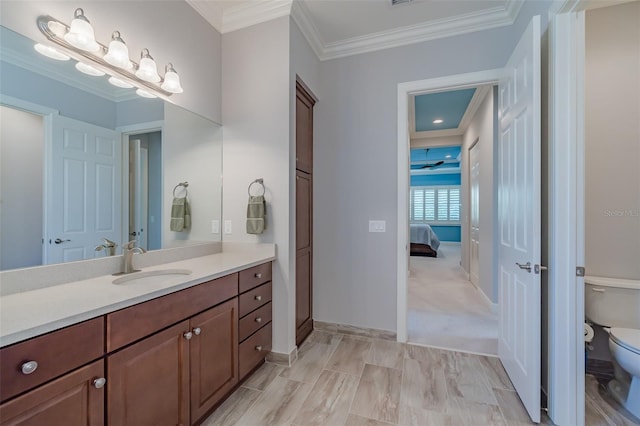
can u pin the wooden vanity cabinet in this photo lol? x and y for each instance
(75, 399)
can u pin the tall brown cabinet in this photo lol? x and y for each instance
(304, 211)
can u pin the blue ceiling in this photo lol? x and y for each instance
(422, 156)
(447, 106)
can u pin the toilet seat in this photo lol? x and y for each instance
(628, 338)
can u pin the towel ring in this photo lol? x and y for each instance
(181, 184)
(259, 182)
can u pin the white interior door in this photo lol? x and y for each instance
(474, 208)
(83, 202)
(519, 212)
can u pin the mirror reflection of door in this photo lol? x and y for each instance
(145, 177)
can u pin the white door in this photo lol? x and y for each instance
(474, 207)
(83, 202)
(519, 218)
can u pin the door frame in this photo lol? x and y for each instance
(440, 84)
(473, 145)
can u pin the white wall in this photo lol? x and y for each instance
(612, 139)
(481, 128)
(255, 112)
(355, 164)
(191, 149)
(172, 31)
(21, 180)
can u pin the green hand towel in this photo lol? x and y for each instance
(256, 212)
(180, 215)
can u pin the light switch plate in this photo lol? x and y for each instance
(377, 226)
(215, 226)
(228, 229)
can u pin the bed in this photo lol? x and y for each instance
(424, 242)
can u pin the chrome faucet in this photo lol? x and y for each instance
(129, 250)
(108, 246)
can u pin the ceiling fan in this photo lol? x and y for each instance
(427, 165)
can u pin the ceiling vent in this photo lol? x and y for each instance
(397, 2)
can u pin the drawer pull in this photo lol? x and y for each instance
(258, 348)
(258, 275)
(258, 320)
(197, 331)
(258, 298)
(188, 335)
(99, 382)
(29, 367)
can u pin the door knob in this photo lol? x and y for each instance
(29, 367)
(258, 320)
(59, 241)
(526, 266)
(188, 335)
(197, 331)
(99, 382)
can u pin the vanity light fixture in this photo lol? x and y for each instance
(147, 70)
(81, 34)
(171, 80)
(50, 52)
(89, 70)
(78, 42)
(118, 53)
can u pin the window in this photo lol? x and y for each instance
(435, 204)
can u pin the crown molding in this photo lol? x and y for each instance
(463, 24)
(253, 12)
(302, 17)
(210, 11)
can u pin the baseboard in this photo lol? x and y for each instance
(353, 330)
(492, 306)
(279, 358)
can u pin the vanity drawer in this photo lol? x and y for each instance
(55, 353)
(253, 299)
(253, 277)
(254, 350)
(252, 322)
(130, 324)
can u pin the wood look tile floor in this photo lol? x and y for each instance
(351, 380)
(444, 309)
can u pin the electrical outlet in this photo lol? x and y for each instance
(215, 226)
(377, 226)
(228, 229)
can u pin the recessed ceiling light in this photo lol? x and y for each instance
(447, 156)
(438, 121)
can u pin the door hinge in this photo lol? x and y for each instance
(580, 271)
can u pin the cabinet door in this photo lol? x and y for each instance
(71, 400)
(304, 129)
(304, 250)
(214, 356)
(148, 382)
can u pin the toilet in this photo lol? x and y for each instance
(614, 303)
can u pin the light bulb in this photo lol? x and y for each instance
(88, 69)
(118, 53)
(120, 83)
(81, 33)
(50, 52)
(171, 80)
(147, 69)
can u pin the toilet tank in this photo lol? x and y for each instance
(612, 302)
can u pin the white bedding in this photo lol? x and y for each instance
(423, 234)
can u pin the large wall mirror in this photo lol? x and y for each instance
(84, 163)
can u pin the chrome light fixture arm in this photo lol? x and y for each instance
(45, 24)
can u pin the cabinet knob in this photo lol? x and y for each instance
(29, 367)
(99, 382)
(258, 275)
(258, 298)
(197, 331)
(258, 348)
(258, 319)
(188, 335)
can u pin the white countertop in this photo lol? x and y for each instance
(31, 313)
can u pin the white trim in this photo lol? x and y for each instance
(302, 18)
(566, 219)
(20, 104)
(251, 13)
(149, 126)
(404, 90)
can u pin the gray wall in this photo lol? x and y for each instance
(612, 138)
(256, 79)
(355, 271)
(172, 31)
(21, 180)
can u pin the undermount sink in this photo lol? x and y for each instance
(139, 277)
